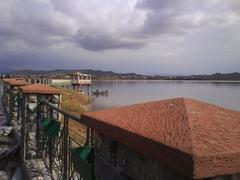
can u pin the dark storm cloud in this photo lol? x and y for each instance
(235, 5)
(46, 23)
(176, 17)
(34, 22)
(159, 33)
(27, 60)
(162, 16)
(41, 23)
(159, 4)
(6, 31)
(103, 42)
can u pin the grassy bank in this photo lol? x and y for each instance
(76, 103)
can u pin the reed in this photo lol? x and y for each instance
(76, 103)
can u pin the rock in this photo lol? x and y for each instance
(7, 150)
(55, 99)
(5, 130)
(32, 106)
(47, 177)
(3, 121)
(38, 178)
(31, 154)
(32, 99)
(31, 136)
(3, 175)
(18, 174)
(3, 149)
(37, 170)
(6, 140)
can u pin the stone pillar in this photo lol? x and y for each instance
(6, 94)
(34, 112)
(14, 110)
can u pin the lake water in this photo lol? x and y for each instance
(126, 92)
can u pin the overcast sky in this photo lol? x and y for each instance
(143, 36)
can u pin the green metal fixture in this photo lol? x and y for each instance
(83, 158)
(51, 127)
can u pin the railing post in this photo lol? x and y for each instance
(23, 127)
(8, 100)
(43, 138)
(65, 148)
(50, 145)
(88, 136)
(19, 105)
(38, 128)
(10, 113)
(92, 136)
(88, 90)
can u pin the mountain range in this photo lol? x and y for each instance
(98, 74)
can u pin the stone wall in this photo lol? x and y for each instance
(15, 121)
(31, 121)
(37, 159)
(115, 161)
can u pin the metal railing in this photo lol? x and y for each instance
(61, 158)
(55, 151)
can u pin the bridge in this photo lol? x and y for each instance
(168, 139)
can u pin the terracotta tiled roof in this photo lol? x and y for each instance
(194, 138)
(39, 89)
(7, 80)
(18, 83)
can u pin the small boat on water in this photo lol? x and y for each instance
(100, 93)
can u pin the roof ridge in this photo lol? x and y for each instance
(212, 104)
(187, 114)
(190, 129)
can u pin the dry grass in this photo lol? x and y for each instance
(76, 103)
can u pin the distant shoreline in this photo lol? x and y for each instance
(185, 80)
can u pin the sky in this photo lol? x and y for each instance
(142, 36)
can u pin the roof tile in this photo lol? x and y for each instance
(7, 80)
(39, 89)
(18, 83)
(195, 138)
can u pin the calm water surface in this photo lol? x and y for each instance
(126, 92)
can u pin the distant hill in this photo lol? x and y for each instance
(217, 76)
(98, 74)
(4, 70)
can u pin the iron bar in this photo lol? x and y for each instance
(50, 147)
(65, 153)
(71, 116)
(23, 126)
(38, 127)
